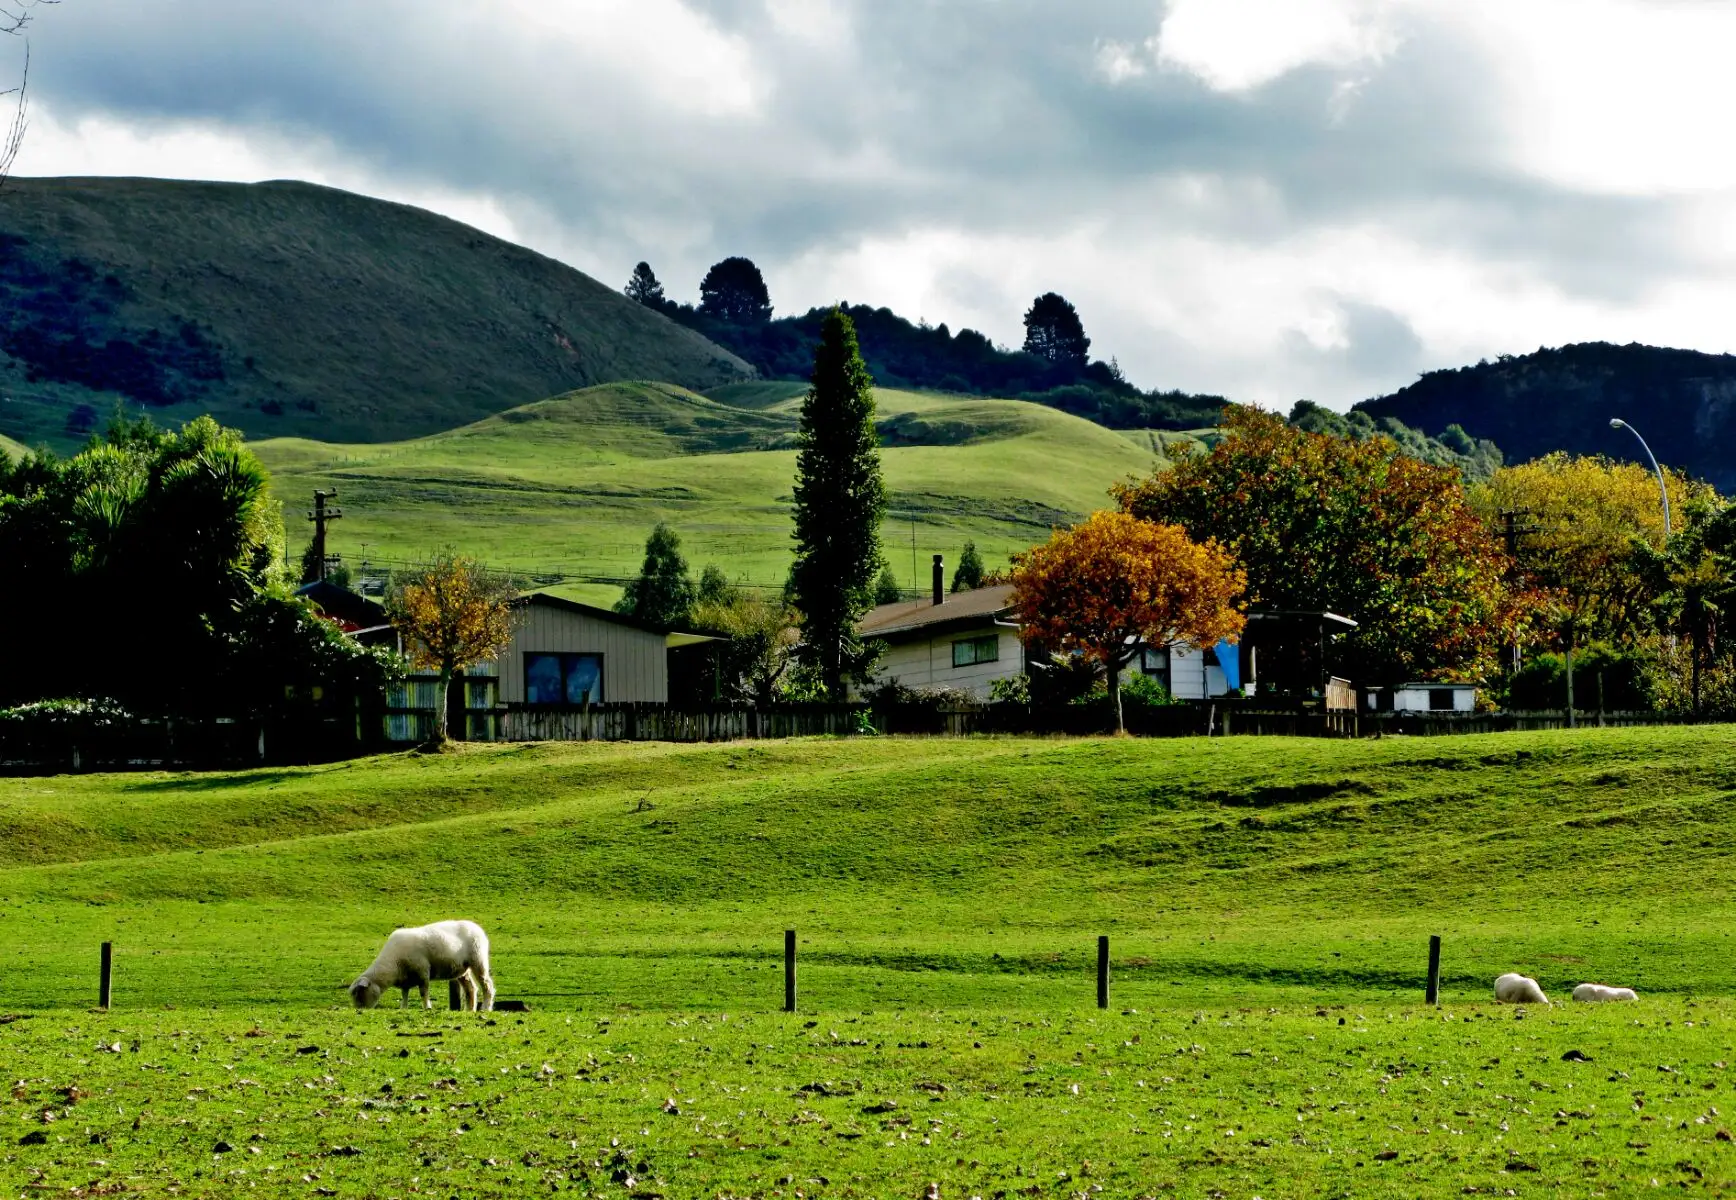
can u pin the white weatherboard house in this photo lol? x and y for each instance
(962, 640)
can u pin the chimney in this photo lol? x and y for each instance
(939, 580)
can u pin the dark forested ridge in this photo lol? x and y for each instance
(1682, 401)
(906, 354)
(285, 308)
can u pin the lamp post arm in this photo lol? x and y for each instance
(1663, 488)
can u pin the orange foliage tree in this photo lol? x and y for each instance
(453, 614)
(1321, 523)
(1105, 586)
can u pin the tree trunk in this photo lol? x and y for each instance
(1570, 721)
(1114, 672)
(445, 687)
(1695, 642)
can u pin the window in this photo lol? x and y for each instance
(563, 679)
(1440, 699)
(976, 650)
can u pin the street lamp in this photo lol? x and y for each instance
(1618, 423)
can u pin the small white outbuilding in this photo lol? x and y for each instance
(1424, 697)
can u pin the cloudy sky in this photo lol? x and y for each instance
(1269, 199)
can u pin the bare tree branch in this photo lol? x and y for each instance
(14, 16)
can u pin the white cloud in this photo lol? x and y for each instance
(98, 145)
(1236, 45)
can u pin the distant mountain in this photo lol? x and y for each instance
(290, 309)
(1682, 401)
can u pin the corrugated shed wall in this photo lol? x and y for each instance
(635, 663)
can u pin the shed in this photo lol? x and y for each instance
(565, 654)
(1424, 697)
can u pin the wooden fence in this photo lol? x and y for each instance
(662, 723)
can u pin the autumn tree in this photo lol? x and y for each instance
(1054, 332)
(453, 613)
(734, 290)
(1321, 523)
(1595, 548)
(840, 500)
(663, 594)
(1104, 587)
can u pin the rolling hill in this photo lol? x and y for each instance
(291, 309)
(567, 489)
(1683, 401)
(12, 449)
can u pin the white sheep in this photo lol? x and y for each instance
(1514, 988)
(411, 958)
(1593, 993)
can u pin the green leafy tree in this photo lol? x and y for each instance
(663, 594)
(968, 575)
(761, 636)
(714, 587)
(735, 291)
(886, 589)
(1354, 527)
(644, 288)
(1054, 332)
(840, 501)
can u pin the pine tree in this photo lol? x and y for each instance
(1054, 332)
(644, 287)
(663, 594)
(886, 589)
(840, 500)
(968, 575)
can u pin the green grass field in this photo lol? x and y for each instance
(947, 895)
(570, 487)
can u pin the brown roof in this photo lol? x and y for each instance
(979, 607)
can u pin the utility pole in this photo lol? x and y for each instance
(321, 516)
(1511, 532)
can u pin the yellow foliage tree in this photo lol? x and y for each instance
(1105, 586)
(453, 614)
(1589, 517)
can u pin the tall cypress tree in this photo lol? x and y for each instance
(840, 499)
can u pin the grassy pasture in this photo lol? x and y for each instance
(572, 485)
(947, 896)
(1363, 1100)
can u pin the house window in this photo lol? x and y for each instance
(976, 650)
(563, 679)
(1440, 699)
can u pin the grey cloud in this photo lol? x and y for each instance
(987, 114)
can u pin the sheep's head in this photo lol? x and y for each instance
(365, 992)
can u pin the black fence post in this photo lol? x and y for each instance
(1103, 971)
(105, 989)
(454, 996)
(789, 970)
(1434, 993)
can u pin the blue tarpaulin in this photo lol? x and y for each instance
(1230, 660)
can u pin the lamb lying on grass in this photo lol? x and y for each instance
(412, 958)
(1596, 992)
(1513, 988)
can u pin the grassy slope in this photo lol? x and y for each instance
(1269, 902)
(12, 449)
(572, 485)
(364, 320)
(920, 872)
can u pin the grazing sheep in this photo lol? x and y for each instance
(1596, 992)
(411, 958)
(1513, 988)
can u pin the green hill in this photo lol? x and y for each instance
(568, 488)
(922, 872)
(12, 449)
(290, 309)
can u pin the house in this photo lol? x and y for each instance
(1424, 697)
(563, 655)
(363, 619)
(1280, 656)
(963, 641)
